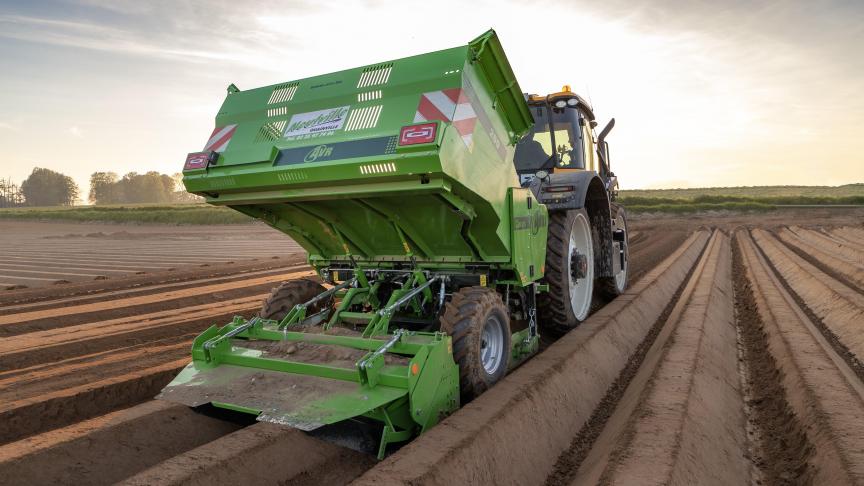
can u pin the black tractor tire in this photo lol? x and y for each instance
(554, 307)
(608, 288)
(466, 315)
(288, 294)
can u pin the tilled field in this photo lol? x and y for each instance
(733, 358)
(37, 254)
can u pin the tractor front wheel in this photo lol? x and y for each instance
(610, 287)
(479, 324)
(284, 297)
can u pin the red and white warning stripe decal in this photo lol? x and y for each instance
(449, 105)
(219, 139)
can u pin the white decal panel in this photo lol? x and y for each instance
(316, 122)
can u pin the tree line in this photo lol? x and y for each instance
(134, 188)
(45, 187)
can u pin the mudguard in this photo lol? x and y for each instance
(575, 199)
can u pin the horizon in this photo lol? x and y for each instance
(703, 95)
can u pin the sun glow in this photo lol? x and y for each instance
(699, 99)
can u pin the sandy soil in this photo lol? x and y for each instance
(838, 306)
(547, 400)
(841, 261)
(823, 434)
(651, 247)
(67, 361)
(726, 371)
(37, 254)
(687, 423)
(259, 454)
(112, 447)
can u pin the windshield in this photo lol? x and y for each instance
(535, 150)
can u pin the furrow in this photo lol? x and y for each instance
(43, 346)
(161, 298)
(826, 396)
(824, 254)
(22, 418)
(681, 421)
(109, 448)
(829, 244)
(839, 307)
(261, 454)
(145, 289)
(514, 433)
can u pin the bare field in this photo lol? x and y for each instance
(36, 254)
(734, 357)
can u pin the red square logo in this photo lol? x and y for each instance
(414, 134)
(197, 160)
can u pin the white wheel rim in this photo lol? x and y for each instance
(581, 289)
(621, 272)
(492, 345)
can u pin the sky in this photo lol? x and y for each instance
(704, 93)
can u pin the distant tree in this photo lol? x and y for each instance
(10, 194)
(180, 195)
(135, 188)
(168, 185)
(44, 187)
(73, 192)
(151, 187)
(103, 188)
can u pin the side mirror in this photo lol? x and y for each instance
(608, 128)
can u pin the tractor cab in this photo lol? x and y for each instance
(562, 138)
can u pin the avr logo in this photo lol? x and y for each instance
(319, 152)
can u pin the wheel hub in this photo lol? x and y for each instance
(578, 265)
(491, 346)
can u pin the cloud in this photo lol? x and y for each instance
(182, 30)
(7, 126)
(693, 84)
(92, 36)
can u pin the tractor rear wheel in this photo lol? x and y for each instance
(288, 294)
(610, 287)
(479, 324)
(569, 272)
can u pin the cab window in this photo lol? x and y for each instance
(536, 151)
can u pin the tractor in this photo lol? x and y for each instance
(450, 219)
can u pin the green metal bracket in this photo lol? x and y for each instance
(348, 300)
(414, 285)
(297, 314)
(390, 434)
(370, 366)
